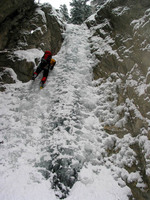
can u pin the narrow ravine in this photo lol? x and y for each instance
(55, 145)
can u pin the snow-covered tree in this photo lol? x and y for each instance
(64, 11)
(80, 11)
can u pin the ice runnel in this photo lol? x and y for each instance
(54, 138)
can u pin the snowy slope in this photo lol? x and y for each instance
(53, 138)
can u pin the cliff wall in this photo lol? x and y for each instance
(120, 43)
(26, 26)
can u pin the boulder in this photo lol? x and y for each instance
(22, 68)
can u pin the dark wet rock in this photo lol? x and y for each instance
(10, 17)
(64, 176)
(62, 172)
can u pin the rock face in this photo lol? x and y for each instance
(121, 44)
(24, 26)
(11, 14)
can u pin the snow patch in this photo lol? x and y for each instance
(40, 12)
(30, 55)
(98, 185)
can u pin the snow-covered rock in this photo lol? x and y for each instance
(120, 44)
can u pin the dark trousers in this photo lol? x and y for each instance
(45, 68)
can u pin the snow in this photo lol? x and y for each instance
(38, 29)
(18, 185)
(101, 45)
(120, 10)
(65, 119)
(40, 12)
(141, 22)
(30, 55)
(91, 186)
(92, 17)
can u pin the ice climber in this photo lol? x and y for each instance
(47, 63)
